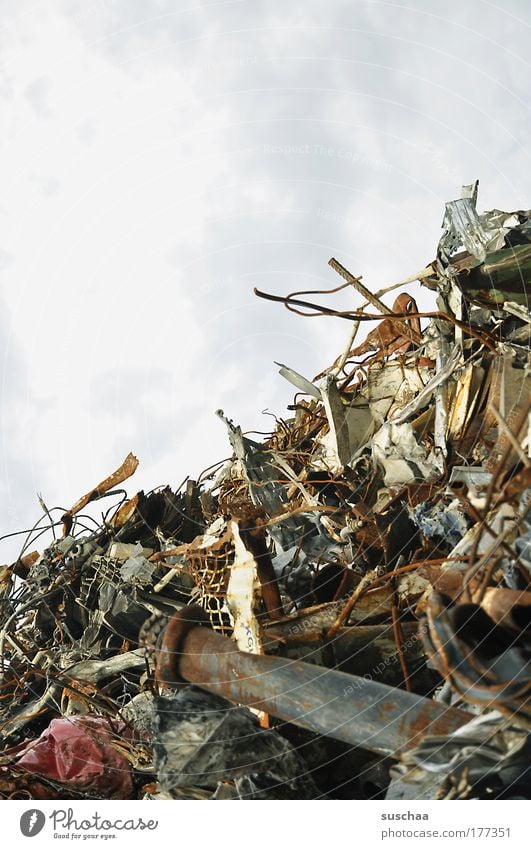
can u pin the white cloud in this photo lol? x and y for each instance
(160, 159)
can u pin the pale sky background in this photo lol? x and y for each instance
(159, 159)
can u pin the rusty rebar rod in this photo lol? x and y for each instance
(404, 328)
(358, 711)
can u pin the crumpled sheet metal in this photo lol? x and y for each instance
(479, 234)
(486, 751)
(494, 267)
(262, 471)
(393, 387)
(463, 227)
(204, 741)
(395, 448)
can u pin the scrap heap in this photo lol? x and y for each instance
(339, 611)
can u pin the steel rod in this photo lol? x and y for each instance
(358, 711)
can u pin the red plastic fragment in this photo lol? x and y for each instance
(78, 751)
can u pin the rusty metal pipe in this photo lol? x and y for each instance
(355, 710)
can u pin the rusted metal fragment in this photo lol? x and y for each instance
(481, 660)
(372, 606)
(125, 512)
(128, 468)
(411, 331)
(369, 651)
(511, 608)
(22, 566)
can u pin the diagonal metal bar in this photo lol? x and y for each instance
(355, 710)
(404, 328)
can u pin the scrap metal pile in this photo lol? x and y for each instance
(341, 610)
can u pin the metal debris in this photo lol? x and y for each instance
(358, 584)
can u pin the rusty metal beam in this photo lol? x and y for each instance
(357, 711)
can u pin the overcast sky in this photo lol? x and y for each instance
(160, 158)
